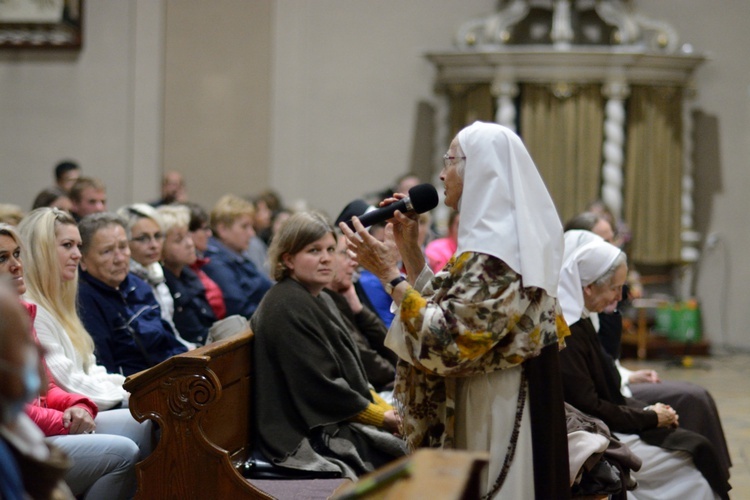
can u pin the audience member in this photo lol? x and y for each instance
(405, 183)
(362, 323)
(66, 174)
(173, 189)
(52, 255)
(30, 467)
(52, 239)
(478, 336)
(257, 249)
(89, 196)
(52, 197)
(193, 314)
(268, 205)
(10, 214)
(592, 277)
(591, 221)
(116, 307)
(402, 184)
(314, 409)
(694, 404)
(425, 234)
(200, 232)
(438, 252)
(242, 284)
(145, 238)
(621, 232)
(277, 219)
(101, 463)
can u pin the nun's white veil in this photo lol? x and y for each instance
(587, 258)
(506, 210)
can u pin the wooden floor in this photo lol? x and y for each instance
(727, 377)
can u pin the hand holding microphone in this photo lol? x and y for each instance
(381, 257)
(422, 198)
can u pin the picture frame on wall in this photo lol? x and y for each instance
(42, 24)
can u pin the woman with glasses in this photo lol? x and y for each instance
(118, 308)
(145, 238)
(478, 341)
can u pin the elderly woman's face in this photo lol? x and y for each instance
(344, 267)
(597, 298)
(10, 262)
(146, 241)
(454, 184)
(108, 255)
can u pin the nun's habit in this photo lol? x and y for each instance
(591, 384)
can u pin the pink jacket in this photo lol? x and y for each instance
(47, 411)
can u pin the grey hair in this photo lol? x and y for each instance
(131, 214)
(605, 278)
(585, 221)
(91, 224)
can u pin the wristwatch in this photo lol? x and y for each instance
(393, 284)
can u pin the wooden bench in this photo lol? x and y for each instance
(201, 402)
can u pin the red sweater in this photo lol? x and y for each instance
(214, 294)
(47, 411)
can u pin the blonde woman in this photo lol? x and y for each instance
(52, 254)
(192, 312)
(242, 284)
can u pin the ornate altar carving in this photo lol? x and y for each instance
(561, 45)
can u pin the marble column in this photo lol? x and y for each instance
(614, 145)
(505, 92)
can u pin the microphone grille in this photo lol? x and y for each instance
(424, 197)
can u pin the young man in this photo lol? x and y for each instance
(89, 196)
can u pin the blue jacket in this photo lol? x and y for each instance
(193, 315)
(369, 285)
(242, 284)
(11, 484)
(125, 323)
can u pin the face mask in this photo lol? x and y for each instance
(31, 385)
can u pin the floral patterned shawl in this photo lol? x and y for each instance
(474, 317)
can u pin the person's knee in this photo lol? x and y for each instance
(125, 451)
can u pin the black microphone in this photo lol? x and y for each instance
(422, 198)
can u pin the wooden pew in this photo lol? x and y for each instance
(201, 402)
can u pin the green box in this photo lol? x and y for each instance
(687, 323)
(665, 318)
(679, 321)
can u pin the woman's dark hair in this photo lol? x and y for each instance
(46, 197)
(585, 221)
(198, 216)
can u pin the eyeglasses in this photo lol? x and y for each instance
(145, 238)
(448, 160)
